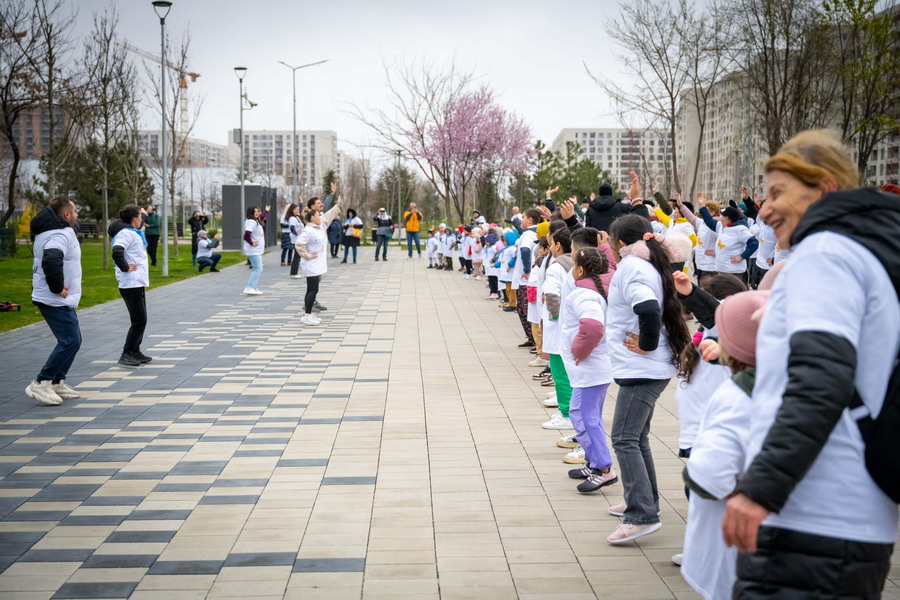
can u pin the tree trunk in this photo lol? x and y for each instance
(674, 154)
(13, 175)
(105, 224)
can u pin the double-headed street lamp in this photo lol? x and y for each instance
(240, 72)
(295, 145)
(162, 11)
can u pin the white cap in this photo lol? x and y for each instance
(202, 232)
(381, 210)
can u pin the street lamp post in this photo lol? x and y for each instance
(295, 145)
(240, 72)
(162, 9)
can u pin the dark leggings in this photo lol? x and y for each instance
(312, 289)
(522, 309)
(295, 264)
(492, 284)
(287, 255)
(467, 264)
(334, 250)
(136, 302)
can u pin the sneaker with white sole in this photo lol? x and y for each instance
(258, 292)
(629, 531)
(43, 392)
(582, 472)
(548, 382)
(575, 457)
(558, 422)
(550, 402)
(551, 394)
(64, 391)
(597, 480)
(250, 292)
(567, 441)
(309, 320)
(538, 362)
(618, 510)
(676, 559)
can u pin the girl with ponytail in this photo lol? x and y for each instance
(586, 359)
(645, 336)
(129, 253)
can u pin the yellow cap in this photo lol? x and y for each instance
(543, 229)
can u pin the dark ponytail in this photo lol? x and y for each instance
(129, 213)
(594, 264)
(632, 228)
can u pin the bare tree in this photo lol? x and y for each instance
(417, 95)
(17, 87)
(782, 51)
(657, 61)
(112, 81)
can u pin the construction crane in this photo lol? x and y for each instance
(182, 80)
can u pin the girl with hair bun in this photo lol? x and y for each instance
(132, 272)
(645, 336)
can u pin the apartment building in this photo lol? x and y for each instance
(198, 153)
(32, 132)
(272, 152)
(620, 151)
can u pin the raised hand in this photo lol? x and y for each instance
(333, 187)
(567, 208)
(635, 191)
(700, 198)
(551, 191)
(745, 193)
(268, 207)
(593, 195)
(545, 212)
(654, 187)
(683, 284)
(677, 197)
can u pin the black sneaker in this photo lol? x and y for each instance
(384, 259)
(510, 309)
(128, 360)
(582, 472)
(319, 306)
(376, 259)
(200, 269)
(213, 270)
(597, 480)
(525, 344)
(141, 357)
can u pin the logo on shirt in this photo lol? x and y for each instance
(721, 246)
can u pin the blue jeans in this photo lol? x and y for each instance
(209, 261)
(410, 236)
(381, 240)
(63, 322)
(257, 265)
(631, 441)
(347, 250)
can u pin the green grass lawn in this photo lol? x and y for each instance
(98, 286)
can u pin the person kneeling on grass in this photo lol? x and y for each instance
(205, 256)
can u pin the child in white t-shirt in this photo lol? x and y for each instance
(431, 249)
(718, 453)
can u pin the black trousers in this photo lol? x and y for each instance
(334, 250)
(152, 244)
(295, 263)
(136, 302)
(492, 284)
(312, 290)
(790, 564)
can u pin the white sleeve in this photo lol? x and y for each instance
(717, 456)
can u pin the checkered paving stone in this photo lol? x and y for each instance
(394, 452)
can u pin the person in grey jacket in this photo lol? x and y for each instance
(56, 290)
(384, 228)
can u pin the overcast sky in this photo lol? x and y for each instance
(530, 52)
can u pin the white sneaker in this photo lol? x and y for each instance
(575, 457)
(44, 393)
(478, 278)
(538, 362)
(309, 320)
(258, 292)
(567, 441)
(558, 422)
(468, 277)
(250, 292)
(296, 276)
(627, 532)
(676, 560)
(550, 402)
(316, 319)
(551, 394)
(64, 391)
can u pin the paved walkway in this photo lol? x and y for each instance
(395, 452)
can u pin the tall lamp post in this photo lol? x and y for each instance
(295, 145)
(162, 11)
(240, 72)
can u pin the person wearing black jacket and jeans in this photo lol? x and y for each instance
(807, 516)
(198, 223)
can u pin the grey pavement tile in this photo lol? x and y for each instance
(237, 499)
(140, 537)
(348, 481)
(139, 475)
(91, 520)
(181, 487)
(303, 462)
(29, 537)
(37, 515)
(329, 565)
(159, 515)
(105, 589)
(260, 559)
(257, 453)
(123, 561)
(364, 418)
(186, 567)
(113, 501)
(323, 421)
(247, 482)
(64, 555)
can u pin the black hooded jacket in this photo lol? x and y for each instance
(52, 259)
(821, 366)
(603, 211)
(118, 252)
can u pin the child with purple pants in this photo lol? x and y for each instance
(586, 359)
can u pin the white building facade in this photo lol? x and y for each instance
(271, 152)
(197, 154)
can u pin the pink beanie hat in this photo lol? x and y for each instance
(737, 320)
(768, 280)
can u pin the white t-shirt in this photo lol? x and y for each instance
(553, 284)
(135, 254)
(692, 398)
(256, 234)
(831, 284)
(536, 280)
(477, 249)
(527, 240)
(781, 254)
(431, 247)
(490, 257)
(717, 459)
(767, 242)
(635, 281)
(706, 240)
(66, 241)
(313, 237)
(583, 303)
(505, 273)
(298, 227)
(731, 241)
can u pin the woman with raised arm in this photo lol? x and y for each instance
(311, 246)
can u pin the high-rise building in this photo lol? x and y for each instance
(272, 152)
(621, 151)
(197, 153)
(32, 132)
